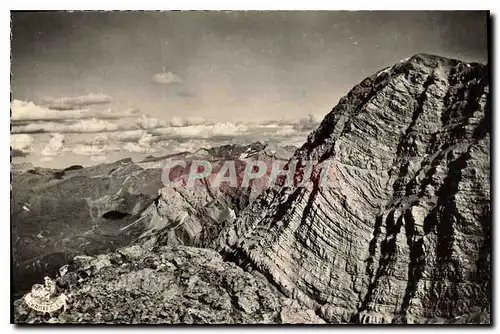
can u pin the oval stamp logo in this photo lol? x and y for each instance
(42, 299)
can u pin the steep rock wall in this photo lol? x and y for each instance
(401, 230)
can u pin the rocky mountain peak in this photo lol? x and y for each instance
(404, 219)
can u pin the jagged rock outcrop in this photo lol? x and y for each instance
(195, 215)
(58, 214)
(400, 232)
(167, 285)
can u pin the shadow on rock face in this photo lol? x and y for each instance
(115, 215)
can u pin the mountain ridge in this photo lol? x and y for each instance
(376, 194)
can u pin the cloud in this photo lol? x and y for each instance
(138, 148)
(94, 149)
(88, 126)
(305, 123)
(73, 132)
(176, 122)
(84, 149)
(166, 78)
(147, 122)
(131, 141)
(126, 136)
(196, 121)
(75, 102)
(54, 146)
(22, 143)
(29, 111)
(179, 122)
(202, 131)
(147, 139)
(176, 127)
(105, 143)
(308, 123)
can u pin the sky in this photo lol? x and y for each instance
(83, 82)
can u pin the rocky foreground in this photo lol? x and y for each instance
(59, 214)
(400, 233)
(168, 285)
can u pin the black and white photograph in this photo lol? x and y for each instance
(217, 167)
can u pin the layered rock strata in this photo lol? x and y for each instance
(400, 232)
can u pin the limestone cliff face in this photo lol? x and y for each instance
(400, 232)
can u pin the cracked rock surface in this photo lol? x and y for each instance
(168, 285)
